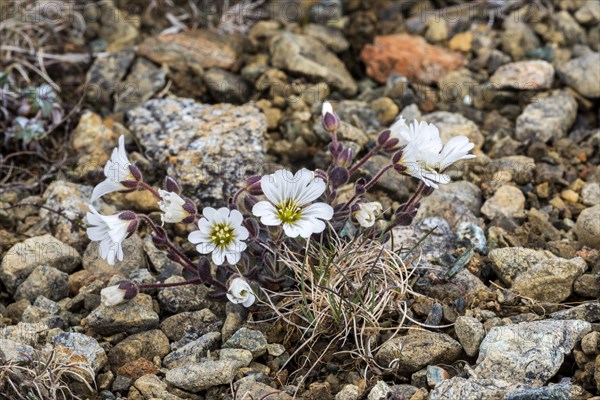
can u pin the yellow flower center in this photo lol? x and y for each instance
(288, 211)
(222, 235)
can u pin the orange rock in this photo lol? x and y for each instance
(137, 368)
(194, 50)
(410, 56)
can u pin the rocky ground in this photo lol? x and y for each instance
(512, 269)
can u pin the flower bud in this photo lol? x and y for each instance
(391, 144)
(338, 176)
(345, 159)
(329, 119)
(129, 184)
(171, 185)
(127, 215)
(384, 137)
(135, 172)
(400, 168)
(130, 288)
(255, 189)
(132, 227)
(397, 156)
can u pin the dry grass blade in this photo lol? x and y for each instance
(348, 294)
(44, 379)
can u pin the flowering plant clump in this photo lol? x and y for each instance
(277, 218)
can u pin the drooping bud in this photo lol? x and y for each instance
(384, 137)
(360, 186)
(329, 119)
(135, 172)
(171, 185)
(338, 176)
(255, 189)
(119, 293)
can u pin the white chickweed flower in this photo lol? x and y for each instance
(221, 233)
(175, 208)
(424, 155)
(117, 294)
(119, 172)
(289, 197)
(240, 292)
(110, 231)
(367, 213)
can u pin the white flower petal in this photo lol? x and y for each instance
(318, 210)
(249, 300)
(105, 187)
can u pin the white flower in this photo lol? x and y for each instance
(367, 213)
(240, 292)
(289, 197)
(117, 294)
(116, 171)
(172, 207)
(110, 231)
(424, 155)
(221, 233)
(327, 108)
(112, 295)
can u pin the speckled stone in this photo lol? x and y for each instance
(248, 339)
(210, 149)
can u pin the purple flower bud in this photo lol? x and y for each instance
(252, 180)
(384, 137)
(400, 168)
(171, 185)
(345, 158)
(189, 206)
(135, 172)
(391, 144)
(132, 227)
(338, 176)
(127, 215)
(129, 184)
(130, 288)
(397, 156)
(255, 189)
(189, 219)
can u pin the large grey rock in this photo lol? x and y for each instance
(11, 350)
(537, 273)
(193, 352)
(471, 389)
(136, 315)
(44, 281)
(151, 387)
(143, 81)
(507, 201)
(134, 258)
(148, 344)
(194, 323)
(524, 75)
(21, 259)
(417, 350)
(582, 74)
(306, 56)
(204, 375)
(588, 227)
(589, 311)
(84, 346)
(210, 149)
(457, 202)
(529, 352)
(248, 388)
(547, 119)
